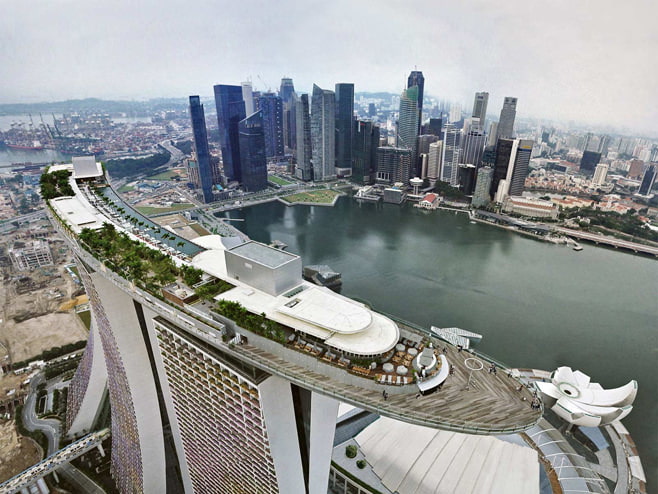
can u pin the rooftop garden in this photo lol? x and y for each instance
(148, 268)
(55, 184)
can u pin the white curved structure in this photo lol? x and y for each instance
(572, 396)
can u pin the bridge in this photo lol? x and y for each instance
(55, 461)
(611, 241)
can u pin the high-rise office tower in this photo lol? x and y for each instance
(511, 167)
(286, 90)
(230, 111)
(344, 127)
(473, 142)
(455, 114)
(481, 195)
(238, 393)
(467, 178)
(434, 127)
(272, 107)
(589, 161)
(252, 153)
(323, 133)
(365, 141)
(201, 151)
(648, 180)
(424, 142)
(434, 161)
(248, 98)
(600, 174)
(507, 116)
(492, 138)
(451, 151)
(480, 107)
(304, 169)
(417, 79)
(393, 165)
(408, 123)
(372, 110)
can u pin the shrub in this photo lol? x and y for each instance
(361, 464)
(350, 451)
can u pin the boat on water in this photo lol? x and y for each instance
(322, 275)
(577, 248)
(36, 146)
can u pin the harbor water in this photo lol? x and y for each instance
(536, 304)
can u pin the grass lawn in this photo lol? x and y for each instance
(277, 180)
(125, 188)
(154, 210)
(199, 229)
(168, 175)
(321, 196)
(85, 317)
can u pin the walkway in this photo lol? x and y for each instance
(55, 461)
(613, 242)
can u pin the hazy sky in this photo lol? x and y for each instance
(587, 60)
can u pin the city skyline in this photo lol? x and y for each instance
(569, 63)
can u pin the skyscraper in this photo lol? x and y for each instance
(365, 141)
(272, 107)
(417, 79)
(286, 93)
(408, 123)
(511, 167)
(286, 90)
(248, 98)
(230, 111)
(648, 180)
(600, 174)
(480, 107)
(198, 119)
(589, 161)
(344, 127)
(252, 153)
(451, 151)
(481, 196)
(507, 116)
(473, 142)
(323, 133)
(435, 161)
(304, 169)
(467, 178)
(434, 127)
(393, 165)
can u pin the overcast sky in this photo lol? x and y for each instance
(587, 60)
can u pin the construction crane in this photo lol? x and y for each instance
(269, 88)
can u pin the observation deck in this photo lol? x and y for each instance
(343, 338)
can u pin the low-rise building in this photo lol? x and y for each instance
(30, 255)
(530, 207)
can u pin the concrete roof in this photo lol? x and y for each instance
(323, 309)
(77, 213)
(86, 167)
(262, 254)
(435, 461)
(327, 310)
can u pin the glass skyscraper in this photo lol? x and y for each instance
(344, 117)
(198, 119)
(271, 106)
(417, 79)
(252, 153)
(304, 170)
(323, 133)
(408, 124)
(230, 111)
(506, 122)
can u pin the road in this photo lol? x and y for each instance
(7, 225)
(52, 429)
